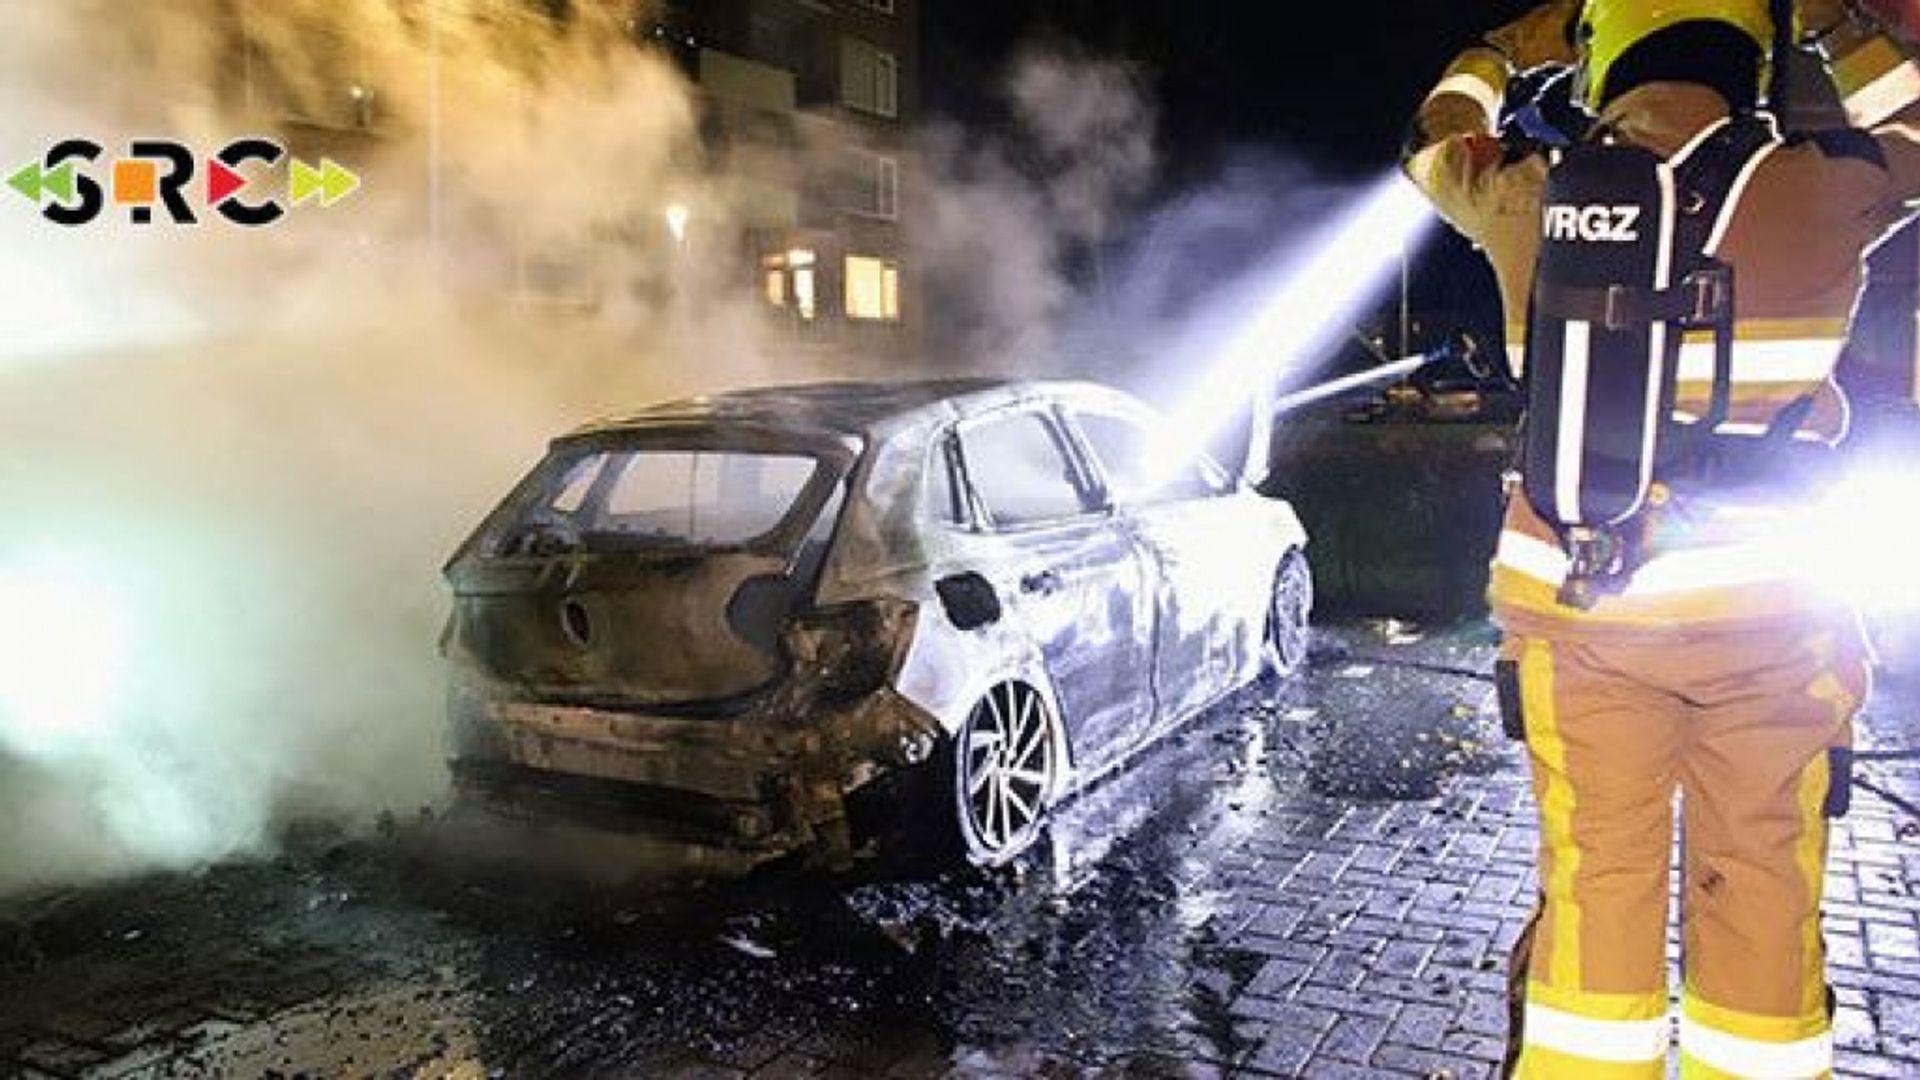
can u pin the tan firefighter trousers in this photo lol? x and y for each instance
(1742, 724)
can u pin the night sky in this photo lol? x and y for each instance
(1333, 83)
(1330, 86)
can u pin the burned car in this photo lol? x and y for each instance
(749, 614)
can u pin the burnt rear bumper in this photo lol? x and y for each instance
(679, 832)
(764, 783)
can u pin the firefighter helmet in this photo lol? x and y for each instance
(1608, 28)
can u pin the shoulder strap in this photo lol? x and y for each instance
(1711, 176)
(1709, 179)
(1708, 176)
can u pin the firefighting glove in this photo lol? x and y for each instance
(1551, 117)
(1542, 37)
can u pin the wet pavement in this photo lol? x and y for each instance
(1319, 879)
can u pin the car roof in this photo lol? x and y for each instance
(841, 408)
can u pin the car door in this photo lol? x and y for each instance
(1180, 507)
(1073, 578)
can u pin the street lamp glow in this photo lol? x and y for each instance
(63, 644)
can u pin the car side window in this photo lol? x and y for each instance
(1021, 473)
(1140, 468)
(946, 502)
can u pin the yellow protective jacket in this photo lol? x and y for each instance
(1809, 213)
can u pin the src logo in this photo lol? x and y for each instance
(157, 179)
(1594, 224)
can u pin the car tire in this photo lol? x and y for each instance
(998, 777)
(1289, 636)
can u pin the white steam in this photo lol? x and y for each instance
(1011, 213)
(231, 462)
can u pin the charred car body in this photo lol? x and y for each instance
(741, 613)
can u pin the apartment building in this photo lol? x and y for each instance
(809, 107)
(800, 189)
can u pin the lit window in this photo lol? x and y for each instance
(792, 277)
(873, 289)
(869, 78)
(805, 297)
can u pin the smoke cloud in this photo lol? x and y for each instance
(231, 462)
(1055, 248)
(1019, 216)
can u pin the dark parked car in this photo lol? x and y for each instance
(742, 613)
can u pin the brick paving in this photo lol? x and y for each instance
(1345, 938)
(1378, 935)
(1384, 928)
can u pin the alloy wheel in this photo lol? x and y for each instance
(1289, 616)
(1006, 770)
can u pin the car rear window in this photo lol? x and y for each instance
(625, 499)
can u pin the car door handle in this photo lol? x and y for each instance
(1043, 583)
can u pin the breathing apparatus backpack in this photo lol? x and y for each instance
(1627, 268)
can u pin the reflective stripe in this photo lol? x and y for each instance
(1733, 427)
(1662, 279)
(1571, 437)
(1655, 387)
(1466, 84)
(1732, 206)
(1516, 338)
(1663, 264)
(1885, 96)
(1699, 139)
(1833, 330)
(1533, 557)
(1757, 407)
(1876, 82)
(1744, 427)
(1518, 597)
(1616, 1041)
(1796, 361)
(1560, 913)
(1810, 849)
(1800, 1060)
(1714, 567)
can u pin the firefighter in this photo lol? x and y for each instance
(1710, 667)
